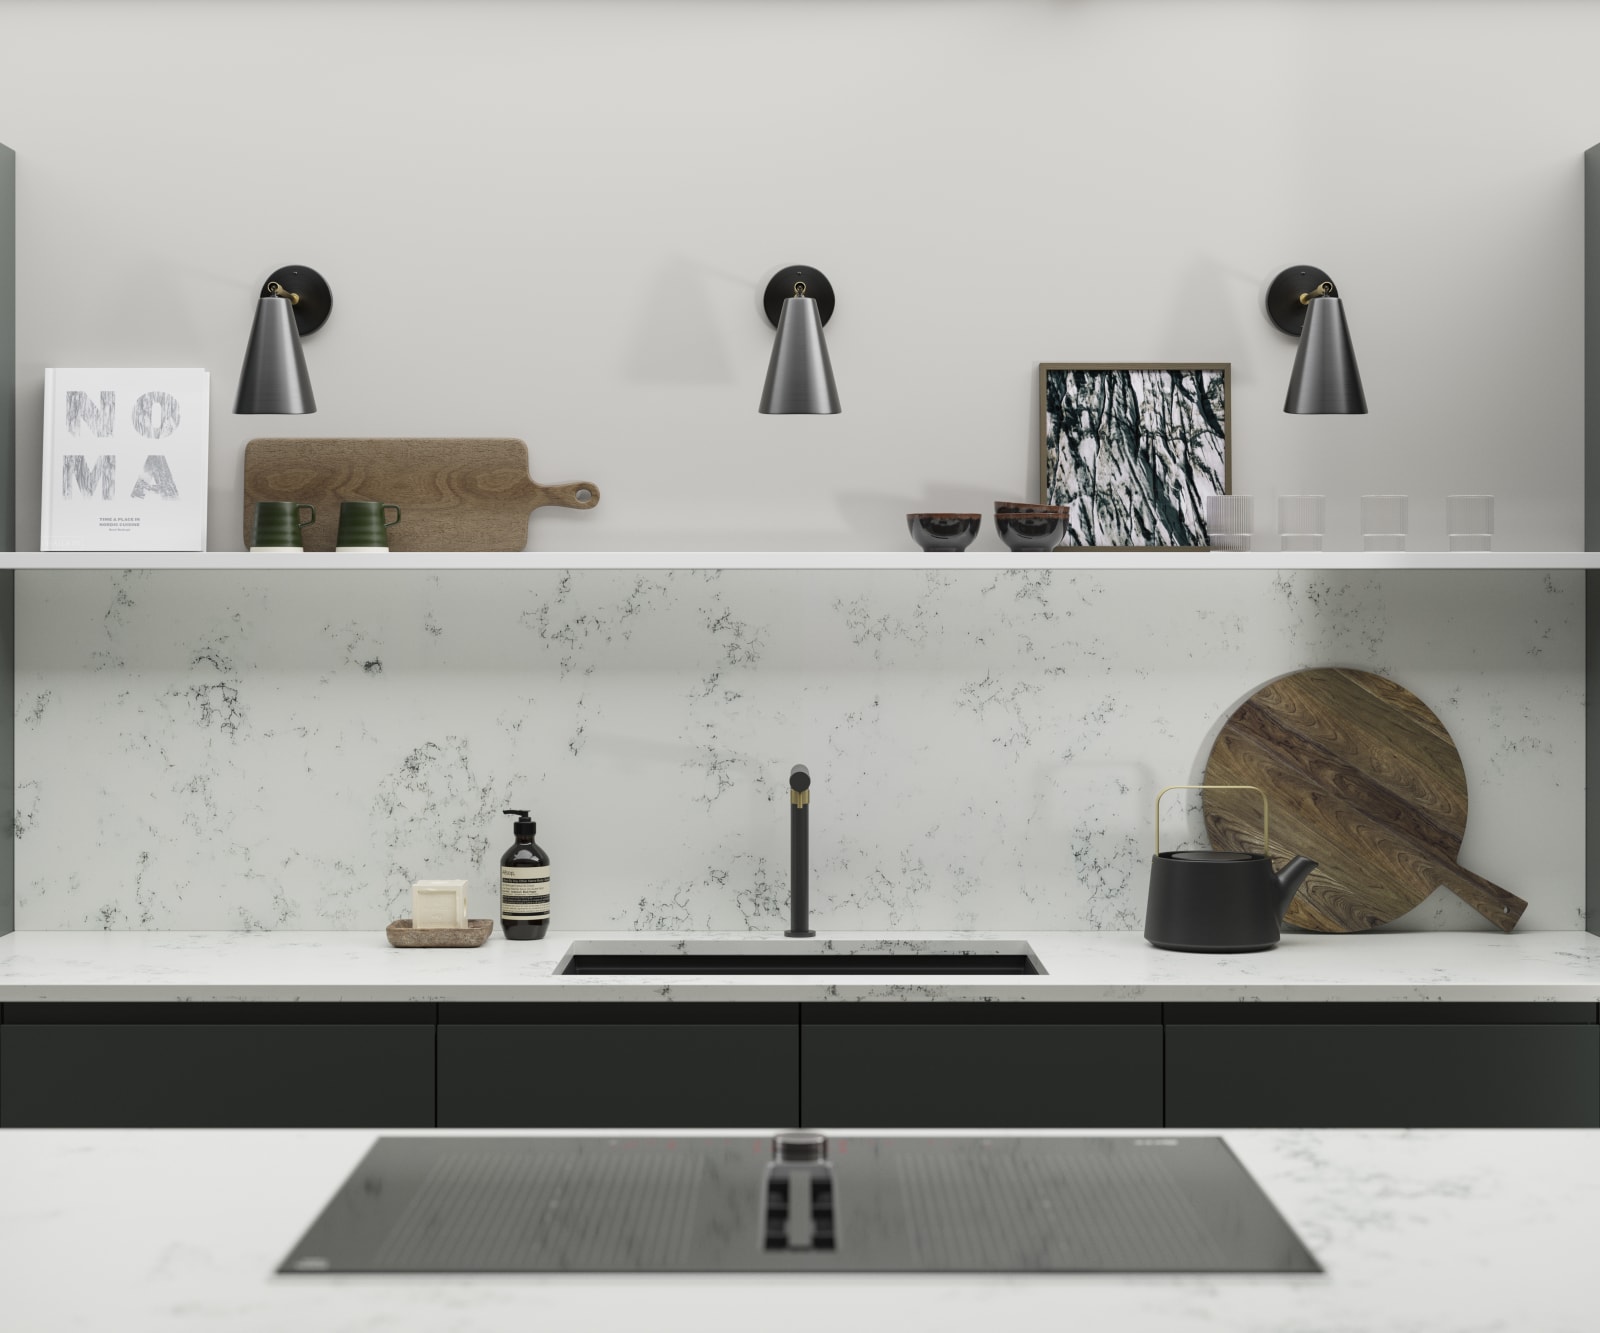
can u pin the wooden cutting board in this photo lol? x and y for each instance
(1362, 778)
(454, 495)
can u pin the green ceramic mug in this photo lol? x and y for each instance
(362, 527)
(278, 525)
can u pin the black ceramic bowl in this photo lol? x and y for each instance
(944, 532)
(1031, 529)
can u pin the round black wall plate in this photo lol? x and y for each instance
(782, 287)
(1283, 296)
(311, 311)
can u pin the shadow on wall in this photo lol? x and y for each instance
(1213, 288)
(883, 513)
(677, 340)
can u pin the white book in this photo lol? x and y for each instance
(125, 460)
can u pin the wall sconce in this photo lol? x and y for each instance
(1303, 301)
(294, 302)
(799, 301)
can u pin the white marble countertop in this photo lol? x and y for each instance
(1416, 1231)
(1078, 966)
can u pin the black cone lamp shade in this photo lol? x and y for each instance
(274, 376)
(273, 379)
(799, 376)
(1325, 378)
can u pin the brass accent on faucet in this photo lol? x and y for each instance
(799, 797)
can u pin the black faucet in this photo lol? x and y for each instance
(799, 854)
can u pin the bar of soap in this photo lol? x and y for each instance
(439, 904)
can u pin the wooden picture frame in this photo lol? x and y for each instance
(1133, 449)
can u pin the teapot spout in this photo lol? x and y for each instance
(1290, 878)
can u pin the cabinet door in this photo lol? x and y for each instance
(614, 1066)
(1438, 1074)
(950, 1066)
(233, 1066)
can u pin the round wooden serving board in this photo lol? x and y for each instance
(454, 495)
(1362, 778)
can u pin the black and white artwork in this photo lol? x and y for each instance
(1132, 451)
(125, 459)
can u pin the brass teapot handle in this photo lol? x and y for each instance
(1212, 786)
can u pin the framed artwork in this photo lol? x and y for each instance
(1132, 451)
(125, 460)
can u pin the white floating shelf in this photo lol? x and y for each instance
(1346, 561)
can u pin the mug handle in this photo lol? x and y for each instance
(396, 518)
(305, 522)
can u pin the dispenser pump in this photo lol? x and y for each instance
(524, 828)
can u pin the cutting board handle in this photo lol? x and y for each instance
(574, 495)
(1499, 907)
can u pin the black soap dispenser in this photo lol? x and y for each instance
(524, 884)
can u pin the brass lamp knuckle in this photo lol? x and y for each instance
(277, 289)
(799, 289)
(1321, 289)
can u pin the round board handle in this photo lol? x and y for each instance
(574, 495)
(1499, 907)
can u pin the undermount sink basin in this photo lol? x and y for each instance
(934, 958)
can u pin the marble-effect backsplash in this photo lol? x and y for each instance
(291, 750)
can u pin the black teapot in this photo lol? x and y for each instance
(1219, 902)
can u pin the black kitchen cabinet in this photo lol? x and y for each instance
(225, 1066)
(1442, 1066)
(609, 1066)
(942, 1066)
(836, 1065)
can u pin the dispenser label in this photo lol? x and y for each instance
(525, 893)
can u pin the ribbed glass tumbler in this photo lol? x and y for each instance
(1231, 522)
(1384, 522)
(1302, 521)
(1469, 522)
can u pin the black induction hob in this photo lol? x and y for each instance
(800, 1203)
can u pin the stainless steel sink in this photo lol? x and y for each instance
(945, 958)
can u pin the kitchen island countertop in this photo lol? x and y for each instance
(1086, 966)
(1417, 1231)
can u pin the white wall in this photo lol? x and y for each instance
(554, 220)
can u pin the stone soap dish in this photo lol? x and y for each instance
(403, 935)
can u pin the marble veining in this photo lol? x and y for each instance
(1084, 965)
(1438, 1231)
(289, 750)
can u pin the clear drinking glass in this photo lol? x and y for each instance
(1384, 522)
(1231, 521)
(1302, 521)
(1469, 522)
